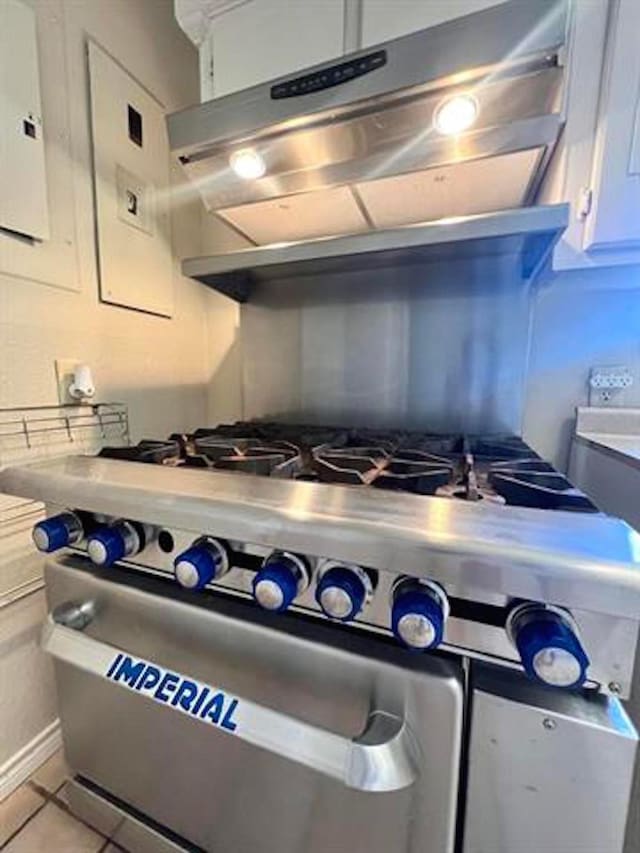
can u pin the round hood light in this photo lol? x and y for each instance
(247, 164)
(456, 114)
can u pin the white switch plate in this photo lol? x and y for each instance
(64, 377)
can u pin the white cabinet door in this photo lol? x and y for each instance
(614, 220)
(388, 19)
(263, 39)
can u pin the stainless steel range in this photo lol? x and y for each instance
(300, 638)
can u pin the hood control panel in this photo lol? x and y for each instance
(334, 75)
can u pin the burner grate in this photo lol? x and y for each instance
(539, 490)
(250, 455)
(147, 450)
(352, 465)
(500, 469)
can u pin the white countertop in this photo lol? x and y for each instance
(623, 444)
(615, 430)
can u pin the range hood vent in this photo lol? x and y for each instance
(459, 120)
(524, 237)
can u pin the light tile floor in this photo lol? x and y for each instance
(36, 818)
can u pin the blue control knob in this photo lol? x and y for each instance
(107, 545)
(57, 532)
(279, 581)
(341, 593)
(418, 615)
(548, 645)
(203, 562)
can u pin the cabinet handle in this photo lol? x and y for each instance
(383, 758)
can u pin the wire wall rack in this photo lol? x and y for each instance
(47, 431)
(33, 434)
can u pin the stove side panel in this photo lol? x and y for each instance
(433, 346)
(548, 770)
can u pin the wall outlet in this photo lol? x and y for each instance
(608, 384)
(64, 377)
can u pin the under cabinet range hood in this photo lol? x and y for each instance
(527, 236)
(457, 120)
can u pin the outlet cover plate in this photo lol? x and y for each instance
(608, 385)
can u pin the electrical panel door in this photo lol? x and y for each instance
(23, 185)
(131, 174)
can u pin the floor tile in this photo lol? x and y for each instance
(63, 795)
(52, 773)
(16, 809)
(53, 829)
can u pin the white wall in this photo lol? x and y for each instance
(27, 692)
(165, 369)
(161, 367)
(581, 319)
(225, 398)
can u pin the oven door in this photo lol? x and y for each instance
(243, 731)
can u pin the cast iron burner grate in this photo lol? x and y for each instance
(542, 489)
(250, 455)
(500, 469)
(147, 450)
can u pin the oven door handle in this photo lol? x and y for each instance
(384, 757)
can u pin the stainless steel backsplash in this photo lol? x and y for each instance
(438, 347)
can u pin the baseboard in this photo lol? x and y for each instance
(27, 760)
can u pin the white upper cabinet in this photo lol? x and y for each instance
(614, 219)
(263, 39)
(259, 40)
(389, 19)
(597, 167)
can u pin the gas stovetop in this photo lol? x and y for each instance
(370, 528)
(500, 469)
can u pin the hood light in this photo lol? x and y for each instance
(247, 164)
(456, 114)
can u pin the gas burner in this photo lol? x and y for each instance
(147, 450)
(442, 446)
(385, 440)
(256, 461)
(498, 448)
(241, 428)
(250, 455)
(196, 460)
(415, 471)
(518, 465)
(462, 491)
(352, 465)
(402, 475)
(412, 454)
(539, 490)
(215, 447)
